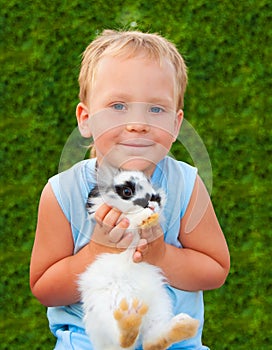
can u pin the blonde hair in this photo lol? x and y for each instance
(130, 43)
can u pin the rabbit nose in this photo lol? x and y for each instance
(142, 202)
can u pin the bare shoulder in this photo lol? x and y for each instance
(52, 222)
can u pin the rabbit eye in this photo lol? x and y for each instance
(127, 192)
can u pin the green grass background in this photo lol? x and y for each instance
(228, 49)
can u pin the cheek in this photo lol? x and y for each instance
(165, 138)
(102, 133)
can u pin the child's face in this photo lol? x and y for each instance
(131, 112)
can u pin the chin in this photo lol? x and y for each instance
(144, 165)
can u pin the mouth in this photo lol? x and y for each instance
(137, 143)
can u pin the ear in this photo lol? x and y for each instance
(83, 121)
(105, 174)
(177, 125)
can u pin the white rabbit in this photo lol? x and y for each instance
(126, 304)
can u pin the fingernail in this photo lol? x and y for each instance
(125, 221)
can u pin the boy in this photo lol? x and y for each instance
(131, 97)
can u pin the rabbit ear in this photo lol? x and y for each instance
(105, 175)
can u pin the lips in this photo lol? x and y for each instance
(137, 143)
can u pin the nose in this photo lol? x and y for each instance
(137, 119)
(142, 202)
(137, 126)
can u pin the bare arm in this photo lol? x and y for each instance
(204, 261)
(54, 269)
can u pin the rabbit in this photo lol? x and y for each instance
(126, 304)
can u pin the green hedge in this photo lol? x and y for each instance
(227, 45)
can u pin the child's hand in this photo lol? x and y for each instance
(151, 247)
(110, 231)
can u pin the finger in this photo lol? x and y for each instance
(118, 231)
(151, 233)
(142, 245)
(125, 241)
(111, 219)
(146, 233)
(137, 257)
(101, 212)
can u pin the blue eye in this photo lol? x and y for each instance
(119, 106)
(156, 109)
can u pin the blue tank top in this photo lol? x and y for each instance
(71, 189)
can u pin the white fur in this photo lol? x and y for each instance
(111, 278)
(114, 277)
